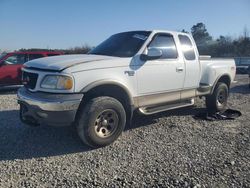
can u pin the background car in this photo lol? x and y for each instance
(11, 64)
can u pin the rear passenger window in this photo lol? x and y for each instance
(166, 44)
(35, 56)
(187, 47)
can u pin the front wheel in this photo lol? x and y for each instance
(218, 100)
(101, 121)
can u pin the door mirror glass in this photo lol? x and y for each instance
(152, 54)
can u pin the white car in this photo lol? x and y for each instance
(148, 71)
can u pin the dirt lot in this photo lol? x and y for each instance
(170, 149)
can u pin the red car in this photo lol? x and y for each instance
(11, 64)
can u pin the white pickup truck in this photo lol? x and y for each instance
(147, 71)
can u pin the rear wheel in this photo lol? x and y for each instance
(101, 121)
(218, 100)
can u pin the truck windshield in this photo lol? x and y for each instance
(122, 44)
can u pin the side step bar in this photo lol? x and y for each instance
(165, 107)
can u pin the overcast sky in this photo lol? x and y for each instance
(69, 23)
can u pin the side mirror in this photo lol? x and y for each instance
(151, 54)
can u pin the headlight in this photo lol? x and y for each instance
(57, 82)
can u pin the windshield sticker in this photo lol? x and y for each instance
(141, 37)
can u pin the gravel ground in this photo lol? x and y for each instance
(169, 149)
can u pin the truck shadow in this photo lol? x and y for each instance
(18, 141)
(141, 120)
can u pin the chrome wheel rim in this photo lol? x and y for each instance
(106, 123)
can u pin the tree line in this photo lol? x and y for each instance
(75, 50)
(224, 46)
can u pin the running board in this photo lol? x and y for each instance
(157, 109)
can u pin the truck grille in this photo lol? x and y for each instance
(29, 79)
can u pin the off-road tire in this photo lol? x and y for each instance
(218, 100)
(89, 117)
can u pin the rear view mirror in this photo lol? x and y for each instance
(151, 54)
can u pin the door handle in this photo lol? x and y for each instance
(179, 69)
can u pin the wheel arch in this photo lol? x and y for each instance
(110, 88)
(225, 78)
(108, 83)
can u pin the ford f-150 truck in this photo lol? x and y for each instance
(147, 71)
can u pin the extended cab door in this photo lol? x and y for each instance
(161, 80)
(192, 66)
(10, 69)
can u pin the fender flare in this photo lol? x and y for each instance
(217, 79)
(108, 82)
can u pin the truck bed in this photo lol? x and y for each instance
(212, 68)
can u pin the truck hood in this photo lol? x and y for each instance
(59, 63)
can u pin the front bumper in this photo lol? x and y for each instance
(46, 108)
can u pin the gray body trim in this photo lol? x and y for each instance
(164, 97)
(157, 99)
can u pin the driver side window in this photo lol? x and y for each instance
(15, 59)
(166, 44)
